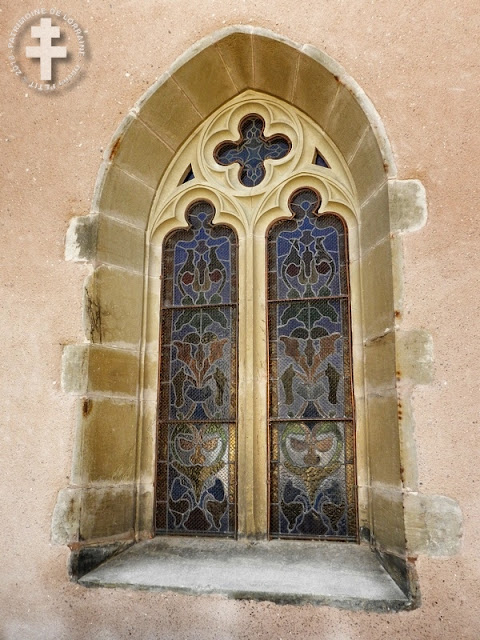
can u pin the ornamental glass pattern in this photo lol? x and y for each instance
(251, 150)
(196, 456)
(311, 427)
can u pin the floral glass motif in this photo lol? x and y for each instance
(251, 150)
(196, 457)
(312, 475)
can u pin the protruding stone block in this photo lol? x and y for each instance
(66, 517)
(81, 238)
(414, 356)
(433, 525)
(408, 205)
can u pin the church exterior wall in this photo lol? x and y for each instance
(419, 66)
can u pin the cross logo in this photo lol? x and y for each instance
(46, 51)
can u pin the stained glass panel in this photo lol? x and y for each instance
(196, 457)
(251, 150)
(310, 406)
(320, 161)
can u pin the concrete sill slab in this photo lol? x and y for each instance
(286, 572)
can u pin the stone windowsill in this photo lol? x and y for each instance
(287, 572)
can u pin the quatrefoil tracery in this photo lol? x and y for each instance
(251, 150)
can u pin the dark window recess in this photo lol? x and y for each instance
(189, 175)
(320, 161)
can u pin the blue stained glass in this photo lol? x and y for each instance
(198, 379)
(251, 150)
(320, 160)
(308, 254)
(310, 405)
(189, 175)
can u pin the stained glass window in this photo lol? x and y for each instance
(196, 457)
(189, 175)
(319, 160)
(312, 475)
(251, 150)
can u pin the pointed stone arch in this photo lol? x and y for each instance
(109, 503)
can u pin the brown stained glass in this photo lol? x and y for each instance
(312, 480)
(196, 451)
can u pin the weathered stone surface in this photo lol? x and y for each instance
(113, 307)
(74, 377)
(388, 519)
(120, 244)
(408, 205)
(414, 356)
(374, 219)
(377, 290)
(206, 81)
(288, 572)
(379, 356)
(275, 64)
(107, 512)
(66, 517)
(347, 123)
(367, 166)
(384, 446)
(140, 152)
(169, 112)
(314, 92)
(236, 52)
(125, 197)
(81, 238)
(433, 525)
(105, 441)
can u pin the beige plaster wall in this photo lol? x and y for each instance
(418, 63)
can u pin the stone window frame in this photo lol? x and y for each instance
(250, 212)
(103, 510)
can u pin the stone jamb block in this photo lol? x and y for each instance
(367, 167)
(139, 152)
(107, 512)
(383, 441)
(377, 290)
(120, 244)
(388, 519)
(105, 441)
(125, 197)
(113, 307)
(433, 525)
(374, 222)
(379, 362)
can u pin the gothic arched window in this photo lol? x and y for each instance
(252, 173)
